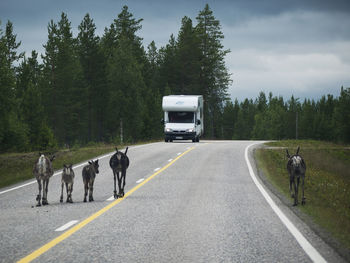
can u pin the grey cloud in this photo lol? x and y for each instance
(287, 29)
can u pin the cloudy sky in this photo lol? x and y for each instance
(287, 47)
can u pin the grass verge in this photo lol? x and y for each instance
(327, 182)
(17, 167)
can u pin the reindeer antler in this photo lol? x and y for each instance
(298, 150)
(126, 150)
(287, 153)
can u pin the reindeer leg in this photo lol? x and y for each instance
(85, 190)
(291, 181)
(123, 178)
(70, 193)
(45, 189)
(119, 184)
(303, 200)
(67, 189)
(91, 186)
(61, 199)
(115, 186)
(38, 197)
(296, 192)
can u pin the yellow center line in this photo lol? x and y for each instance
(74, 229)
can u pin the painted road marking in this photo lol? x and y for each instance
(178, 153)
(170, 160)
(140, 180)
(66, 226)
(314, 255)
(110, 199)
(83, 223)
(157, 169)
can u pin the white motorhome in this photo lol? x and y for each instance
(183, 117)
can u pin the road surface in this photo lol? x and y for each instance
(185, 202)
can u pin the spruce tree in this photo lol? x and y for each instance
(49, 88)
(68, 108)
(188, 58)
(125, 78)
(13, 132)
(93, 67)
(214, 76)
(168, 67)
(29, 97)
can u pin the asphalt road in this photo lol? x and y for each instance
(185, 202)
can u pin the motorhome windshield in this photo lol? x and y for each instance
(181, 117)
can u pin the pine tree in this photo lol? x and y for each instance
(125, 83)
(229, 119)
(188, 57)
(68, 112)
(153, 127)
(214, 76)
(49, 88)
(93, 66)
(292, 114)
(126, 27)
(168, 67)
(342, 116)
(125, 77)
(13, 133)
(245, 120)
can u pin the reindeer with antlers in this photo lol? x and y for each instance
(296, 168)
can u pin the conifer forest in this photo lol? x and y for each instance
(89, 88)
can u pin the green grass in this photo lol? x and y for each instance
(17, 167)
(327, 183)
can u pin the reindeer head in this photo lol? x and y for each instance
(67, 168)
(295, 161)
(94, 165)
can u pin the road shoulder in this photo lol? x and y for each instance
(330, 248)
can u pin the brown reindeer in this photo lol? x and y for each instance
(296, 168)
(89, 173)
(42, 171)
(68, 180)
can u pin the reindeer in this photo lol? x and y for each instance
(89, 174)
(42, 171)
(68, 180)
(119, 162)
(296, 168)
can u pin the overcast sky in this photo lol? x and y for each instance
(296, 47)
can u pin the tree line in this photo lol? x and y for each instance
(273, 118)
(102, 89)
(108, 88)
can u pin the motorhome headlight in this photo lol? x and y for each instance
(190, 130)
(168, 130)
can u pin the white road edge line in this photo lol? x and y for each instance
(66, 226)
(140, 180)
(314, 255)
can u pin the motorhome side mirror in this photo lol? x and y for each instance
(198, 122)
